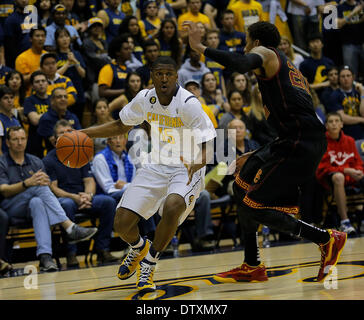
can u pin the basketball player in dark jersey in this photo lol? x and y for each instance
(267, 182)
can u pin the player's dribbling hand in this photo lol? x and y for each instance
(190, 169)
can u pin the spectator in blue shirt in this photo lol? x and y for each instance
(34, 107)
(24, 186)
(16, 33)
(113, 168)
(348, 101)
(333, 84)
(314, 68)
(59, 14)
(75, 189)
(57, 111)
(7, 118)
(230, 39)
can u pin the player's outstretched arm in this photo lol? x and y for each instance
(110, 129)
(258, 57)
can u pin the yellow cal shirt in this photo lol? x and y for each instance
(188, 16)
(246, 14)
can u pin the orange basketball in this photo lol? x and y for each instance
(75, 149)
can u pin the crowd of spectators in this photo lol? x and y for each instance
(98, 54)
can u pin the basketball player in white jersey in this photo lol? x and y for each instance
(165, 183)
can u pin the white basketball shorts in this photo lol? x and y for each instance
(149, 189)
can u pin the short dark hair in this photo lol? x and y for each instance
(315, 36)
(116, 44)
(164, 60)
(5, 90)
(227, 11)
(149, 43)
(13, 128)
(37, 27)
(35, 74)
(53, 94)
(329, 69)
(333, 114)
(46, 56)
(266, 33)
(61, 123)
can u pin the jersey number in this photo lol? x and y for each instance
(297, 79)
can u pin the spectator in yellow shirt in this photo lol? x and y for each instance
(150, 26)
(29, 61)
(193, 14)
(246, 13)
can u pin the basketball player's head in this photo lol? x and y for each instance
(164, 75)
(262, 33)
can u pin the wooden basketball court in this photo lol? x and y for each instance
(291, 269)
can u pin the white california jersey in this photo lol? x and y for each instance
(177, 129)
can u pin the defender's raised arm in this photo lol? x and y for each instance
(257, 55)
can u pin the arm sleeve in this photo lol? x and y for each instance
(133, 113)
(235, 61)
(21, 65)
(194, 117)
(28, 107)
(105, 76)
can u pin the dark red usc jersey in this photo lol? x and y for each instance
(288, 103)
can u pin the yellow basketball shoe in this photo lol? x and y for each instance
(145, 273)
(132, 259)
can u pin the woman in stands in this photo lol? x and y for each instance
(170, 43)
(213, 96)
(133, 85)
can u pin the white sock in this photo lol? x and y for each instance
(345, 221)
(69, 229)
(152, 259)
(139, 244)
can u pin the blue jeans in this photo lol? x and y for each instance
(353, 56)
(203, 222)
(103, 207)
(43, 207)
